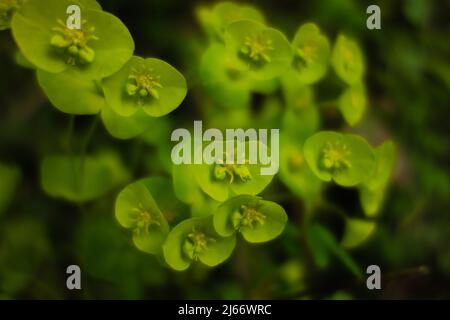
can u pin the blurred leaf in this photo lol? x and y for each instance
(10, 176)
(81, 179)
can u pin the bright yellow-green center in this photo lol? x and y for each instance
(257, 48)
(143, 219)
(335, 155)
(247, 216)
(74, 43)
(196, 243)
(143, 83)
(221, 171)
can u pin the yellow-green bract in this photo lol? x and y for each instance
(196, 240)
(345, 158)
(256, 219)
(100, 48)
(148, 84)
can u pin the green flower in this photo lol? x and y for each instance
(150, 84)
(311, 53)
(137, 210)
(100, 48)
(348, 60)
(220, 180)
(264, 52)
(196, 240)
(345, 158)
(256, 219)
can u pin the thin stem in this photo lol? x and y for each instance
(89, 135)
(70, 129)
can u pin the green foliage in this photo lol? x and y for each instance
(10, 176)
(80, 179)
(256, 219)
(345, 158)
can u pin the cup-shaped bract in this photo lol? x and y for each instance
(225, 13)
(70, 93)
(137, 210)
(372, 192)
(126, 127)
(223, 178)
(348, 60)
(311, 53)
(356, 232)
(256, 219)
(353, 103)
(148, 84)
(195, 239)
(262, 51)
(345, 158)
(98, 49)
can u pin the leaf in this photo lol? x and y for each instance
(126, 127)
(326, 240)
(79, 179)
(256, 219)
(34, 30)
(356, 232)
(137, 210)
(70, 93)
(348, 60)
(264, 52)
(195, 239)
(10, 176)
(345, 158)
(311, 53)
(353, 104)
(148, 84)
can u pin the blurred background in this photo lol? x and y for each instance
(408, 81)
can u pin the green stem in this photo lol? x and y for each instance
(70, 129)
(89, 135)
